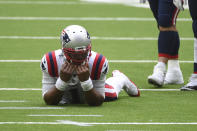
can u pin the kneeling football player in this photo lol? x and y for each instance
(76, 74)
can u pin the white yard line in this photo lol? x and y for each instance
(30, 123)
(11, 101)
(37, 89)
(69, 115)
(30, 108)
(133, 38)
(30, 37)
(20, 89)
(141, 61)
(134, 3)
(67, 122)
(110, 61)
(159, 89)
(143, 123)
(42, 2)
(93, 38)
(20, 60)
(86, 18)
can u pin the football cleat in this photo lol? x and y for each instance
(157, 78)
(192, 85)
(129, 87)
(174, 77)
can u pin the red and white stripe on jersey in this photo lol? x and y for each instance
(52, 64)
(97, 67)
(110, 93)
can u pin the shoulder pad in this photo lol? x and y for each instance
(49, 64)
(99, 67)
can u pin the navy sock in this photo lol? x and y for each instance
(168, 44)
(195, 68)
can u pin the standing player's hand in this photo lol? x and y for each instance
(66, 71)
(83, 72)
(178, 4)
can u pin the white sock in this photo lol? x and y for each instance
(161, 64)
(195, 50)
(172, 64)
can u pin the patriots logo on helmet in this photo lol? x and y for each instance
(88, 36)
(66, 38)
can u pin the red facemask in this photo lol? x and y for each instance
(79, 56)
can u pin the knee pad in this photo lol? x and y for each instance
(195, 28)
(164, 20)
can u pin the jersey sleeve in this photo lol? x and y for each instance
(49, 64)
(99, 71)
(48, 79)
(99, 68)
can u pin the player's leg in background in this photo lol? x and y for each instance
(174, 74)
(116, 83)
(154, 8)
(193, 12)
(192, 85)
(168, 46)
(160, 67)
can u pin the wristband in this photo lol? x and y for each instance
(87, 85)
(60, 84)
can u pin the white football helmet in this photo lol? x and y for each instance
(76, 44)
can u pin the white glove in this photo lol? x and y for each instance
(178, 4)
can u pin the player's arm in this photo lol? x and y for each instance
(54, 94)
(92, 96)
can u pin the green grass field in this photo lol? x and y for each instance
(21, 104)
